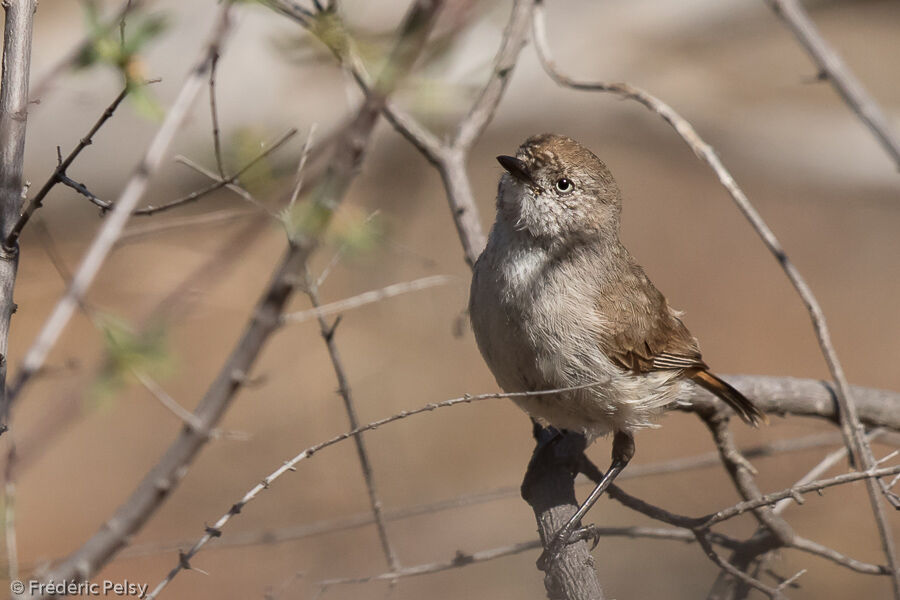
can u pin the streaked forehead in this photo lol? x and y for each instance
(556, 151)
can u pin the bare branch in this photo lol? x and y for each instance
(459, 560)
(226, 215)
(17, 32)
(832, 67)
(450, 157)
(813, 486)
(152, 386)
(678, 465)
(228, 182)
(165, 475)
(37, 200)
(96, 255)
(774, 593)
(328, 333)
(849, 418)
(482, 111)
(370, 297)
(214, 115)
(215, 530)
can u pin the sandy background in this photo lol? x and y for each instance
(815, 173)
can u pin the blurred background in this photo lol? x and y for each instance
(88, 432)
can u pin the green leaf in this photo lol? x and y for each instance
(128, 350)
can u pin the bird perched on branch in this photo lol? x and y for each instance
(558, 302)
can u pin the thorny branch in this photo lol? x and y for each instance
(17, 32)
(328, 333)
(16, 65)
(677, 465)
(114, 224)
(832, 67)
(849, 418)
(449, 158)
(163, 478)
(60, 171)
(701, 524)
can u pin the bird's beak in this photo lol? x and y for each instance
(517, 168)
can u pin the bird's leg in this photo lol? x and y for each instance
(622, 452)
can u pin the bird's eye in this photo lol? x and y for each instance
(564, 186)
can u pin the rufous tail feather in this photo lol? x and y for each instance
(744, 408)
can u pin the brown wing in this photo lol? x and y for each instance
(646, 335)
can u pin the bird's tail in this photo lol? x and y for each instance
(745, 409)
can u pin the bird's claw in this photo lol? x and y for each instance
(556, 546)
(588, 533)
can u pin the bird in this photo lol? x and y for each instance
(557, 302)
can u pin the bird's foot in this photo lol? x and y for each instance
(558, 544)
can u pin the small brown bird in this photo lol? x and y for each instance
(558, 302)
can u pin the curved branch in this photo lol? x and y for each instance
(832, 66)
(849, 419)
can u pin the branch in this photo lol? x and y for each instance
(165, 475)
(678, 465)
(37, 200)
(794, 493)
(832, 67)
(17, 33)
(369, 297)
(216, 530)
(109, 233)
(328, 332)
(806, 398)
(702, 523)
(848, 415)
(450, 157)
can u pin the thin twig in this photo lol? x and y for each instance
(219, 183)
(328, 333)
(703, 539)
(679, 465)
(112, 227)
(226, 215)
(214, 115)
(459, 560)
(233, 187)
(345, 163)
(370, 297)
(822, 467)
(793, 492)
(832, 67)
(37, 200)
(186, 416)
(215, 530)
(301, 166)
